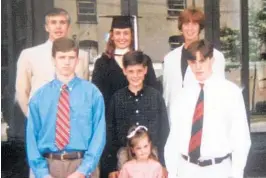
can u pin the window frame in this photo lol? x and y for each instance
(174, 12)
(87, 17)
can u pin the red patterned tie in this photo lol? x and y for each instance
(196, 131)
(63, 119)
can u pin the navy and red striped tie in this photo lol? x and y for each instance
(63, 118)
(196, 131)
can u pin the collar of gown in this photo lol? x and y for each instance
(120, 52)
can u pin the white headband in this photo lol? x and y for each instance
(135, 131)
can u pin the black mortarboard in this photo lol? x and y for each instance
(125, 21)
(121, 21)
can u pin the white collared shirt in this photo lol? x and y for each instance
(225, 126)
(172, 77)
(35, 68)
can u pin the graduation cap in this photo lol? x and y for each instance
(121, 21)
(125, 21)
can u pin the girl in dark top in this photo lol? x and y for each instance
(108, 72)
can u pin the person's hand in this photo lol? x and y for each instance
(76, 175)
(113, 174)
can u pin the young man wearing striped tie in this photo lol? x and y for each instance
(66, 131)
(209, 136)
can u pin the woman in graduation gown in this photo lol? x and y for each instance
(108, 75)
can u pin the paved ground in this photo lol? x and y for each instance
(14, 163)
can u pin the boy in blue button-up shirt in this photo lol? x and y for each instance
(87, 133)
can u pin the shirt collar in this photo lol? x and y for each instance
(71, 84)
(207, 81)
(49, 43)
(139, 93)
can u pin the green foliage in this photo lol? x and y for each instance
(257, 33)
(230, 39)
(230, 43)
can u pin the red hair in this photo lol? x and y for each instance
(191, 15)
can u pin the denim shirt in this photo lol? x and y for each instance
(87, 125)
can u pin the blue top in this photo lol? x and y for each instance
(87, 125)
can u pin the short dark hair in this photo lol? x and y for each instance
(55, 12)
(191, 15)
(64, 45)
(135, 58)
(203, 46)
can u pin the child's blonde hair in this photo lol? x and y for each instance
(136, 133)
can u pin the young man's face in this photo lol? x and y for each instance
(66, 62)
(201, 67)
(135, 74)
(191, 31)
(122, 37)
(57, 26)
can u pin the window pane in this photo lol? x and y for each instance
(175, 6)
(87, 12)
(87, 18)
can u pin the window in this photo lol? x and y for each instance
(175, 7)
(86, 10)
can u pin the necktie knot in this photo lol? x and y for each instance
(201, 85)
(64, 87)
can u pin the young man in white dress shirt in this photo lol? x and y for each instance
(209, 135)
(34, 66)
(176, 71)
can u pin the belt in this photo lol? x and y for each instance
(64, 155)
(206, 162)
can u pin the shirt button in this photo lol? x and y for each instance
(137, 111)
(137, 100)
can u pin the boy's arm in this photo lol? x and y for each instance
(36, 161)
(172, 154)
(23, 81)
(239, 137)
(97, 142)
(164, 128)
(111, 146)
